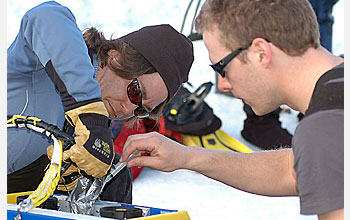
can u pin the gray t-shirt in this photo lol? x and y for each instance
(318, 146)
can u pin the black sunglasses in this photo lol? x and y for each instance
(219, 66)
(135, 96)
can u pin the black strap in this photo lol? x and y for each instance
(68, 101)
(329, 91)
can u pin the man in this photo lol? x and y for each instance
(267, 53)
(265, 131)
(56, 72)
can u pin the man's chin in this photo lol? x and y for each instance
(258, 112)
(261, 112)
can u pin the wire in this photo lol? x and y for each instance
(184, 20)
(25, 106)
(194, 16)
(52, 174)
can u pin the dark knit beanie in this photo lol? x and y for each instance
(167, 50)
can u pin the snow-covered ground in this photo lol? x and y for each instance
(202, 197)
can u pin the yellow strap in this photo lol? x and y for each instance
(14, 117)
(47, 186)
(49, 183)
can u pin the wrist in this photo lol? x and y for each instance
(95, 107)
(91, 120)
(193, 158)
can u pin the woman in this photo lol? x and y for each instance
(55, 73)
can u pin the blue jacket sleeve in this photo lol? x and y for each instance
(51, 32)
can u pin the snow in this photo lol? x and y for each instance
(202, 197)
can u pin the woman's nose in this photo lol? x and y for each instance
(128, 108)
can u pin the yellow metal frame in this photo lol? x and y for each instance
(181, 215)
(225, 139)
(12, 197)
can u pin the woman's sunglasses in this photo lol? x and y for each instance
(135, 96)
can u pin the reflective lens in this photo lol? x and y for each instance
(134, 92)
(135, 96)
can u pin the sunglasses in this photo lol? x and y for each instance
(219, 66)
(135, 96)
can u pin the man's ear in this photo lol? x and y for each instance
(262, 50)
(113, 53)
(114, 57)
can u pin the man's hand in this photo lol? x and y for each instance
(164, 153)
(93, 150)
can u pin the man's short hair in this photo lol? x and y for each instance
(291, 25)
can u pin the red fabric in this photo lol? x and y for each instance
(144, 127)
(151, 125)
(171, 134)
(121, 139)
